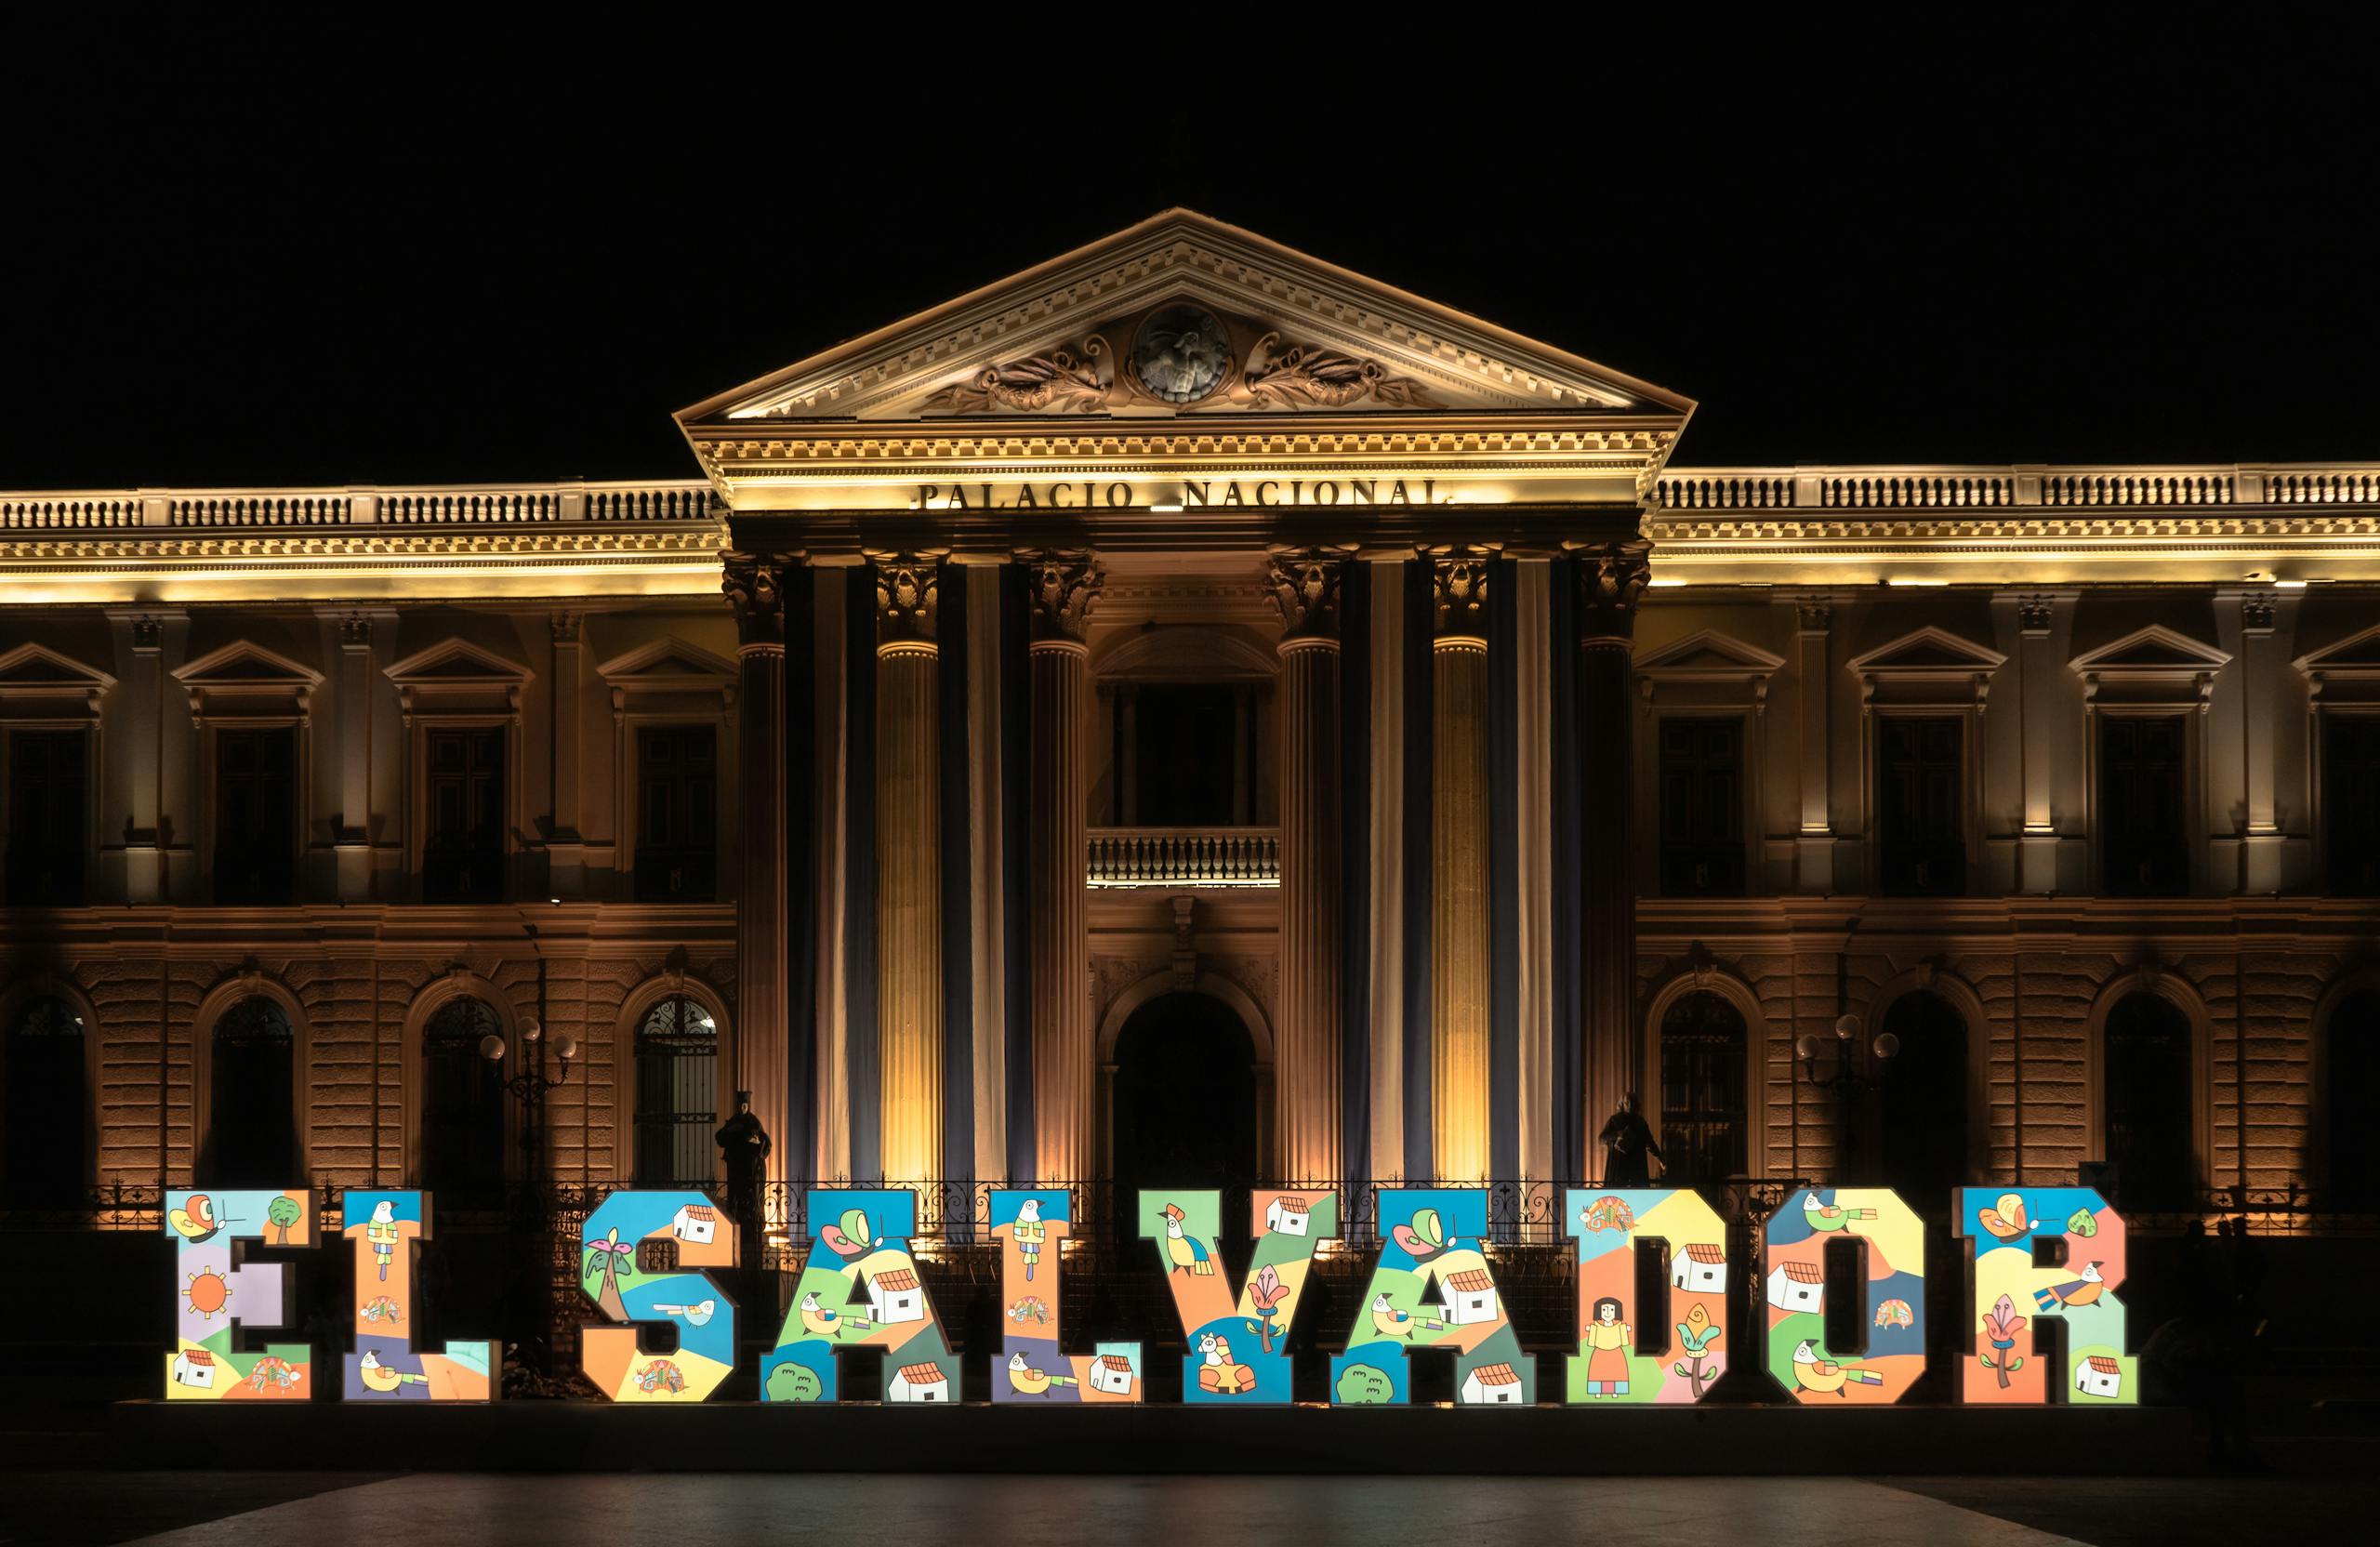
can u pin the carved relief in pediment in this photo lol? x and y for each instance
(1184, 357)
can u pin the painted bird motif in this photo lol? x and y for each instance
(376, 1376)
(820, 1322)
(1831, 1216)
(1187, 1253)
(1826, 1377)
(1022, 1378)
(2084, 1291)
(1389, 1321)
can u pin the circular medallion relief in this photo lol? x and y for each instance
(1180, 353)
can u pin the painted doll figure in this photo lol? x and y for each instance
(1608, 1339)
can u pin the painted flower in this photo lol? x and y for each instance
(1698, 1332)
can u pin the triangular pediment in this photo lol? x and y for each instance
(1183, 315)
(2357, 656)
(1709, 653)
(458, 661)
(666, 663)
(37, 667)
(243, 664)
(1927, 652)
(2155, 651)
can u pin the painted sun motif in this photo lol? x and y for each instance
(209, 1294)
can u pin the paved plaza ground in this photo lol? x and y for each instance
(463, 1510)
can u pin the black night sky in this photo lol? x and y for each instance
(277, 280)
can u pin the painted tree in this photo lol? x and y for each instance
(607, 1258)
(283, 1213)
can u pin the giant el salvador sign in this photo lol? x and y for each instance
(2040, 1252)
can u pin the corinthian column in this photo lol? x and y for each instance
(1459, 922)
(1063, 586)
(754, 584)
(1307, 1079)
(909, 866)
(1610, 582)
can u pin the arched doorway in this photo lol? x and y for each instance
(1703, 1111)
(2350, 1057)
(252, 1127)
(1184, 1111)
(48, 1105)
(2145, 1102)
(1921, 1121)
(676, 1094)
(462, 1103)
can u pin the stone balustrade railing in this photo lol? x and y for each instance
(1185, 856)
(167, 510)
(2014, 488)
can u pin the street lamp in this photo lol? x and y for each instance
(1851, 1074)
(528, 1088)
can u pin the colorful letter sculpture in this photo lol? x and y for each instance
(213, 1297)
(1609, 1225)
(1030, 1228)
(860, 1289)
(1893, 1312)
(381, 1229)
(610, 1276)
(2011, 1293)
(1239, 1350)
(1432, 1288)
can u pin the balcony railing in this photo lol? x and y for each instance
(125, 512)
(1185, 856)
(2015, 487)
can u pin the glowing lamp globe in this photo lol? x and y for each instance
(1887, 1044)
(492, 1048)
(566, 1047)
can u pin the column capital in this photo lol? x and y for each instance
(1304, 583)
(565, 627)
(1065, 583)
(1459, 589)
(1612, 581)
(908, 594)
(754, 584)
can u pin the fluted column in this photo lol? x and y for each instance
(1307, 1079)
(1459, 921)
(1063, 587)
(1610, 582)
(909, 866)
(754, 585)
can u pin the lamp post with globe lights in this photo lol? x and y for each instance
(529, 1087)
(1857, 1069)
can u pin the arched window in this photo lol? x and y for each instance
(462, 1101)
(252, 1124)
(1921, 1129)
(2146, 1095)
(1702, 1089)
(48, 1108)
(2351, 1078)
(676, 1094)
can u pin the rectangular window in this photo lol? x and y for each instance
(2144, 830)
(48, 817)
(677, 838)
(2350, 810)
(256, 781)
(462, 858)
(1921, 830)
(1701, 783)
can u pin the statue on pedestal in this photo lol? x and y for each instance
(743, 1144)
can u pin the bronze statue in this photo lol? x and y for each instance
(1627, 1142)
(743, 1144)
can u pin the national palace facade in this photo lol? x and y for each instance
(1189, 712)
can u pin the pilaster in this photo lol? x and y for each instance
(908, 859)
(1308, 1097)
(1459, 967)
(1612, 581)
(754, 585)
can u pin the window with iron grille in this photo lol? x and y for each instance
(676, 1094)
(253, 1126)
(677, 839)
(462, 1103)
(1702, 1089)
(48, 821)
(48, 1107)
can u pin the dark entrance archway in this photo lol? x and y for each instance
(1921, 1121)
(1186, 1101)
